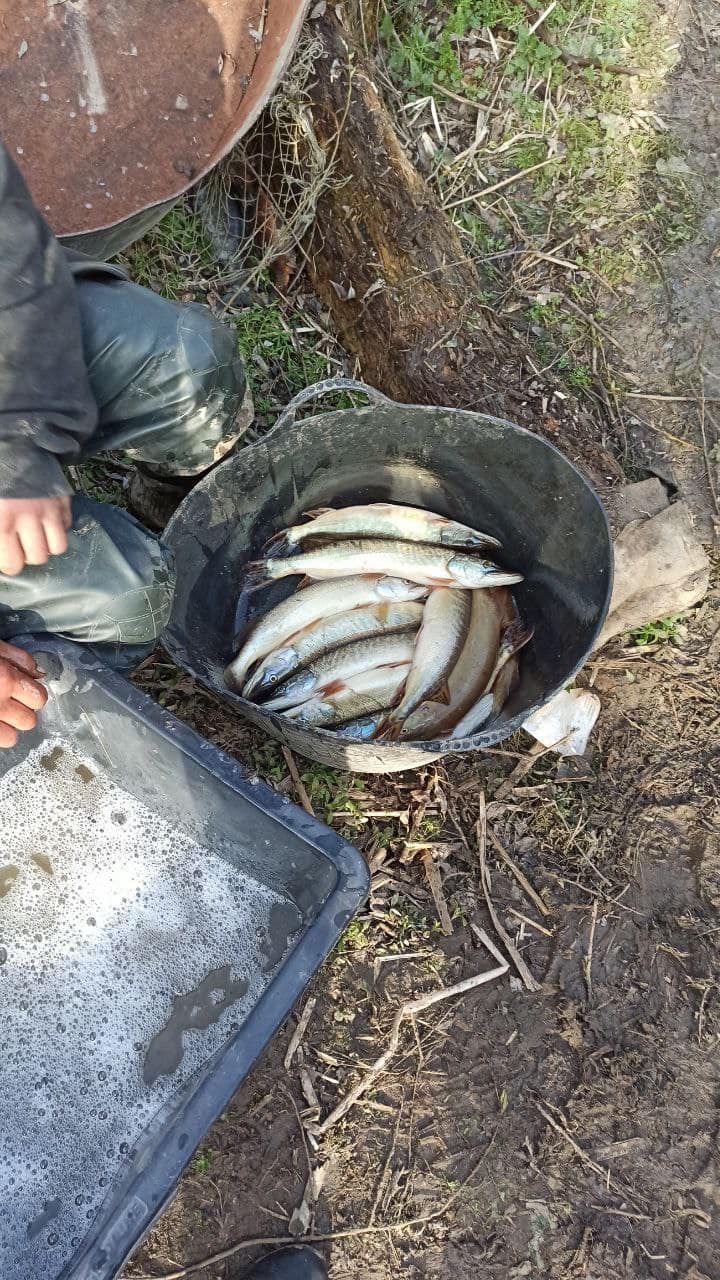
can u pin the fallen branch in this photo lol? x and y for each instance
(481, 834)
(521, 768)
(659, 395)
(325, 1237)
(612, 68)
(499, 186)
(409, 1010)
(588, 961)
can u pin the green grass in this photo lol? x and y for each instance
(202, 1162)
(422, 55)
(624, 200)
(356, 938)
(280, 362)
(176, 260)
(665, 631)
(174, 257)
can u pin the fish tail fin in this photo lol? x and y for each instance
(305, 581)
(442, 694)
(517, 635)
(316, 512)
(256, 573)
(388, 728)
(234, 680)
(278, 543)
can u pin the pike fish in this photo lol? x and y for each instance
(330, 633)
(439, 643)
(416, 562)
(339, 664)
(385, 520)
(350, 699)
(490, 704)
(499, 683)
(490, 612)
(306, 607)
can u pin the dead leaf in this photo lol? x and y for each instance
(301, 1217)
(672, 167)
(376, 287)
(319, 9)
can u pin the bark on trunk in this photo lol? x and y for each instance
(390, 266)
(415, 314)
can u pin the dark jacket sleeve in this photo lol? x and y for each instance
(47, 408)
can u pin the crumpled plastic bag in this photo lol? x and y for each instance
(566, 722)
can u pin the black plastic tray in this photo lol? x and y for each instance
(175, 771)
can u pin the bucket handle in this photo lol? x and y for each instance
(328, 385)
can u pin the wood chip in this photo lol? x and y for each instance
(435, 881)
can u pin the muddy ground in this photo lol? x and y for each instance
(584, 1115)
(571, 1130)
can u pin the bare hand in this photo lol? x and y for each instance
(20, 693)
(32, 530)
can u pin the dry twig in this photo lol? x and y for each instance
(533, 924)
(409, 1010)
(518, 874)
(298, 783)
(603, 1173)
(587, 964)
(481, 835)
(299, 1031)
(521, 768)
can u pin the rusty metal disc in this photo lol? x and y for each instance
(113, 106)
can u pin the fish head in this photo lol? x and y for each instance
(399, 589)
(362, 729)
(282, 661)
(472, 572)
(478, 541)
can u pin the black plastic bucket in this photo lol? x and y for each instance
(480, 470)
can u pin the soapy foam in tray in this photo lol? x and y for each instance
(128, 955)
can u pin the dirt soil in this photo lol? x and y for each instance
(669, 329)
(572, 1130)
(583, 1115)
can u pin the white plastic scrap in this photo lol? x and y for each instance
(566, 722)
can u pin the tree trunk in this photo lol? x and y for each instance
(390, 266)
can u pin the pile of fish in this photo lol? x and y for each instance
(402, 628)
